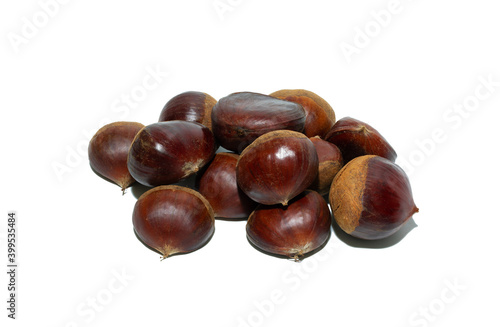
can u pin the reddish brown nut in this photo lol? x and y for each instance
(293, 231)
(277, 166)
(371, 198)
(108, 151)
(218, 185)
(356, 138)
(173, 219)
(320, 116)
(330, 163)
(240, 118)
(166, 152)
(189, 106)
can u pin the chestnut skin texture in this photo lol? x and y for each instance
(189, 106)
(173, 219)
(330, 163)
(166, 152)
(240, 118)
(108, 151)
(277, 166)
(320, 116)
(356, 138)
(219, 186)
(291, 231)
(371, 198)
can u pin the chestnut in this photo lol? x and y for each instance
(330, 163)
(239, 118)
(356, 138)
(173, 219)
(371, 198)
(292, 231)
(320, 116)
(108, 151)
(189, 106)
(166, 152)
(218, 185)
(277, 166)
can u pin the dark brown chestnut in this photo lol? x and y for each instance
(356, 138)
(330, 163)
(218, 185)
(173, 219)
(292, 231)
(108, 151)
(239, 118)
(166, 152)
(320, 116)
(189, 106)
(371, 198)
(277, 166)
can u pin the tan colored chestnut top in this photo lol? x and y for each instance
(347, 202)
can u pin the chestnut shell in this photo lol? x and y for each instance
(277, 166)
(166, 152)
(330, 163)
(320, 116)
(189, 106)
(173, 219)
(219, 186)
(108, 151)
(240, 118)
(371, 198)
(292, 231)
(356, 138)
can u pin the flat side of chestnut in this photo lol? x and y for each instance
(320, 116)
(173, 219)
(293, 231)
(189, 106)
(108, 151)
(240, 118)
(277, 166)
(356, 138)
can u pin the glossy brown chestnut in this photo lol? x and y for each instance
(320, 116)
(189, 106)
(292, 231)
(356, 138)
(173, 219)
(239, 118)
(371, 198)
(330, 163)
(108, 151)
(218, 185)
(277, 166)
(166, 152)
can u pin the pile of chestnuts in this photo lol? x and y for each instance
(270, 160)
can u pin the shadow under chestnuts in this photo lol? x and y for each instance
(291, 173)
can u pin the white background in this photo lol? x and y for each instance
(62, 80)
